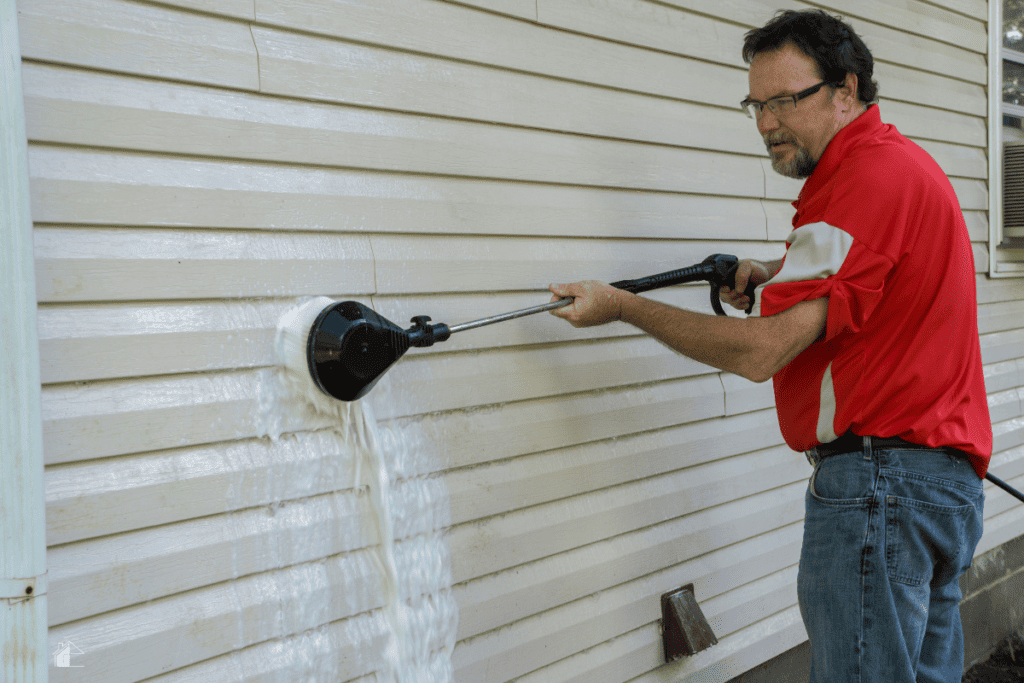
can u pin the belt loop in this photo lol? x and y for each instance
(868, 453)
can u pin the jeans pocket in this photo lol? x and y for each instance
(843, 481)
(924, 541)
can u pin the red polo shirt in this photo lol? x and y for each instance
(878, 230)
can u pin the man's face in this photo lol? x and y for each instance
(797, 139)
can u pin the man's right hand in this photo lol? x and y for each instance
(749, 270)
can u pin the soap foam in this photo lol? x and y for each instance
(410, 510)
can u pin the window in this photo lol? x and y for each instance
(1006, 165)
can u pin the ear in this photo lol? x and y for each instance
(847, 92)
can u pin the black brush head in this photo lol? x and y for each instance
(351, 347)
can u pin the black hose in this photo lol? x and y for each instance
(1004, 486)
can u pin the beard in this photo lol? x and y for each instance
(800, 165)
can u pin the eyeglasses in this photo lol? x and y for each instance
(780, 106)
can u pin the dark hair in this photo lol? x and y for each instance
(828, 40)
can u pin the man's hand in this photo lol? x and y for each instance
(749, 270)
(594, 303)
(755, 348)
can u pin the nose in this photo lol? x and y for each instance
(766, 121)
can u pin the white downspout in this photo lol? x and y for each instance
(22, 516)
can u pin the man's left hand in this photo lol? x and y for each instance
(594, 303)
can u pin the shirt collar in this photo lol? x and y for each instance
(837, 149)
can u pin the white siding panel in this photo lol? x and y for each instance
(933, 124)
(972, 193)
(1008, 466)
(107, 341)
(532, 588)
(980, 257)
(433, 264)
(495, 432)
(118, 340)
(1004, 405)
(647, 25)
(999, 290)
(749, 13)
(959, 161)
(887, 39)
(108, 189)
(307, 656)
(525, 9)
(166, 560)
(609, 614)
(151, 117)
(778, 187)
(888, 42)
(460, 381)
(131, 644)
(1003, 375)
(543, 530)
(897, 82)
(1000, 317)
(1001, 346)
(240, 9)
(977, 225)
(181, 484)
(141, 39)
(1008, 434)
(919, 18)
(641, 652)
(93, 265)
(560, 632)
(465, 34)
(972, 8)
(92, 421)
(545, 477)
(317, 68)
(118, 417)
(1003, 527)
(744, 396)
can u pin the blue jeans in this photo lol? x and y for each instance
(887, 535)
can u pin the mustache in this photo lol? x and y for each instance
(776, 138)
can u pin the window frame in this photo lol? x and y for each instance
(996, 54)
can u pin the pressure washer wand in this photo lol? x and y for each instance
(473, 324)
(346, 346)
(718, 269)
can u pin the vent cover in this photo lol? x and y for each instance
(1013, 190)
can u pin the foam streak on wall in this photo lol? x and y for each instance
(409, 596)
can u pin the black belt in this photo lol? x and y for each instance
(850, 442)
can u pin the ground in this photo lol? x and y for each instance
(1006, 665)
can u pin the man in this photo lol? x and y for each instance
(868, 327)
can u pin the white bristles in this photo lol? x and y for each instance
(293, 335)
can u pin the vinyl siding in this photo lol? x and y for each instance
(197, 166)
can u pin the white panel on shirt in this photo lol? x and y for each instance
(826, 427)
(816, 251)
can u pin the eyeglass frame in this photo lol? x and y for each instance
(745, 105)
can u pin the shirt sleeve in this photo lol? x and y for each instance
(825, 261)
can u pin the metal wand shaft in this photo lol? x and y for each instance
(510, 316)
